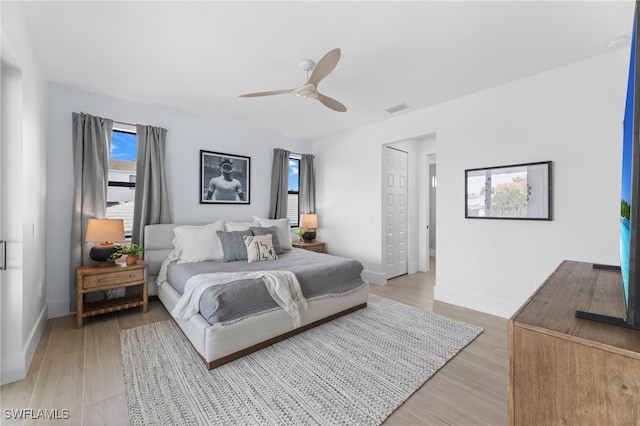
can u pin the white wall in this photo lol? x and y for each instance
(23, 206)
(571, 115)
(187, 134)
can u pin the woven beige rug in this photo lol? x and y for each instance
(354, 370)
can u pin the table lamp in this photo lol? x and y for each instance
(309, 222)
(105, 232)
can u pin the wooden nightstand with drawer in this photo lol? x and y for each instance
(317, 246)
(102, 278)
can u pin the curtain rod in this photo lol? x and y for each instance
(122, 122)
(114, 121)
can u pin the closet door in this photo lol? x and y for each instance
(11, 288)
(395, 211)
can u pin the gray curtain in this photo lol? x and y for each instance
(91, 147)
(152, 198)
(279, 184)
(307, 185)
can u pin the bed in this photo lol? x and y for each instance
(235, 316)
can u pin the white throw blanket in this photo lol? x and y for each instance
(283, 286)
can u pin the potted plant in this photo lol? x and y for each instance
(299, 233)
(133, 252)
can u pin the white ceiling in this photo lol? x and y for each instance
(200, 56)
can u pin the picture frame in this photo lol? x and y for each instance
(518, 191)
(224, 178)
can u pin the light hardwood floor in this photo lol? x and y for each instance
(471, 389)
(80, 369)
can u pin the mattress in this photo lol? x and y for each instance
(319, 274)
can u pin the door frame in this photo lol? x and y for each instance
(420, 149)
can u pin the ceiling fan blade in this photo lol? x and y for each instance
(273, 92)
(331, 103)
(324, 66)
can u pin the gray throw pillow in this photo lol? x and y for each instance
(233, 245)
(270, 230)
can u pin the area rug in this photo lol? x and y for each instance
(356, 369)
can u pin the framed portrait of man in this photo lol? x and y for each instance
(224, 178)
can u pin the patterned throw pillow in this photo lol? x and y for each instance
(273, 231)
(259, 248)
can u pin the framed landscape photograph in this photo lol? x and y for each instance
(520, 191)
(224, 178)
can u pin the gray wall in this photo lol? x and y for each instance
(187, 135)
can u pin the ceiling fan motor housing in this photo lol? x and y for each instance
(307, 65)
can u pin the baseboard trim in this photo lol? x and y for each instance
(36, 335)
(475, 302)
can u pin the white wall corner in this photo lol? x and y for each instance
(16, 365)
(59, 308)
(374, 277)
(13, 368)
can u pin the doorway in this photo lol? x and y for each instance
(416, 245)
(432, 185)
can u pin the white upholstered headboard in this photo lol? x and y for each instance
(157, 246)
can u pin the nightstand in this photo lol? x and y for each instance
(317, 246)
(102, 278)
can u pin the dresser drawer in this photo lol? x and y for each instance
(120, 277)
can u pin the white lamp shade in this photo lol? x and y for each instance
(309, 221)
(105, 230)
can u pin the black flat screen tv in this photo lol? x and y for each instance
(630, 199)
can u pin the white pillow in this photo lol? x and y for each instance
(259, 248)
(284, 230)
(238, 226)
(198, 243)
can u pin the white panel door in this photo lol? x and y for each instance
(395, 211)
(11, 299)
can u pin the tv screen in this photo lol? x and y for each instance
(630, 190)
(627, 170)
(630, 199)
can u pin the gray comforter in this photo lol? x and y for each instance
(319, 274)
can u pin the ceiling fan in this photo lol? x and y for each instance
(310, 89)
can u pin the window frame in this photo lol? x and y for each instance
(130, 129)
(298, 158)
(123, 128)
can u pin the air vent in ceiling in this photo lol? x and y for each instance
(396, 108)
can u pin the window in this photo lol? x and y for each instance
(121, 188)
(293, 204)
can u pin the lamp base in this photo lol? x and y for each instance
(309, 236)
(101, 253)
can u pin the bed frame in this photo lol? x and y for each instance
(219, 344)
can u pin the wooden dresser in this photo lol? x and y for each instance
(569, 371)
